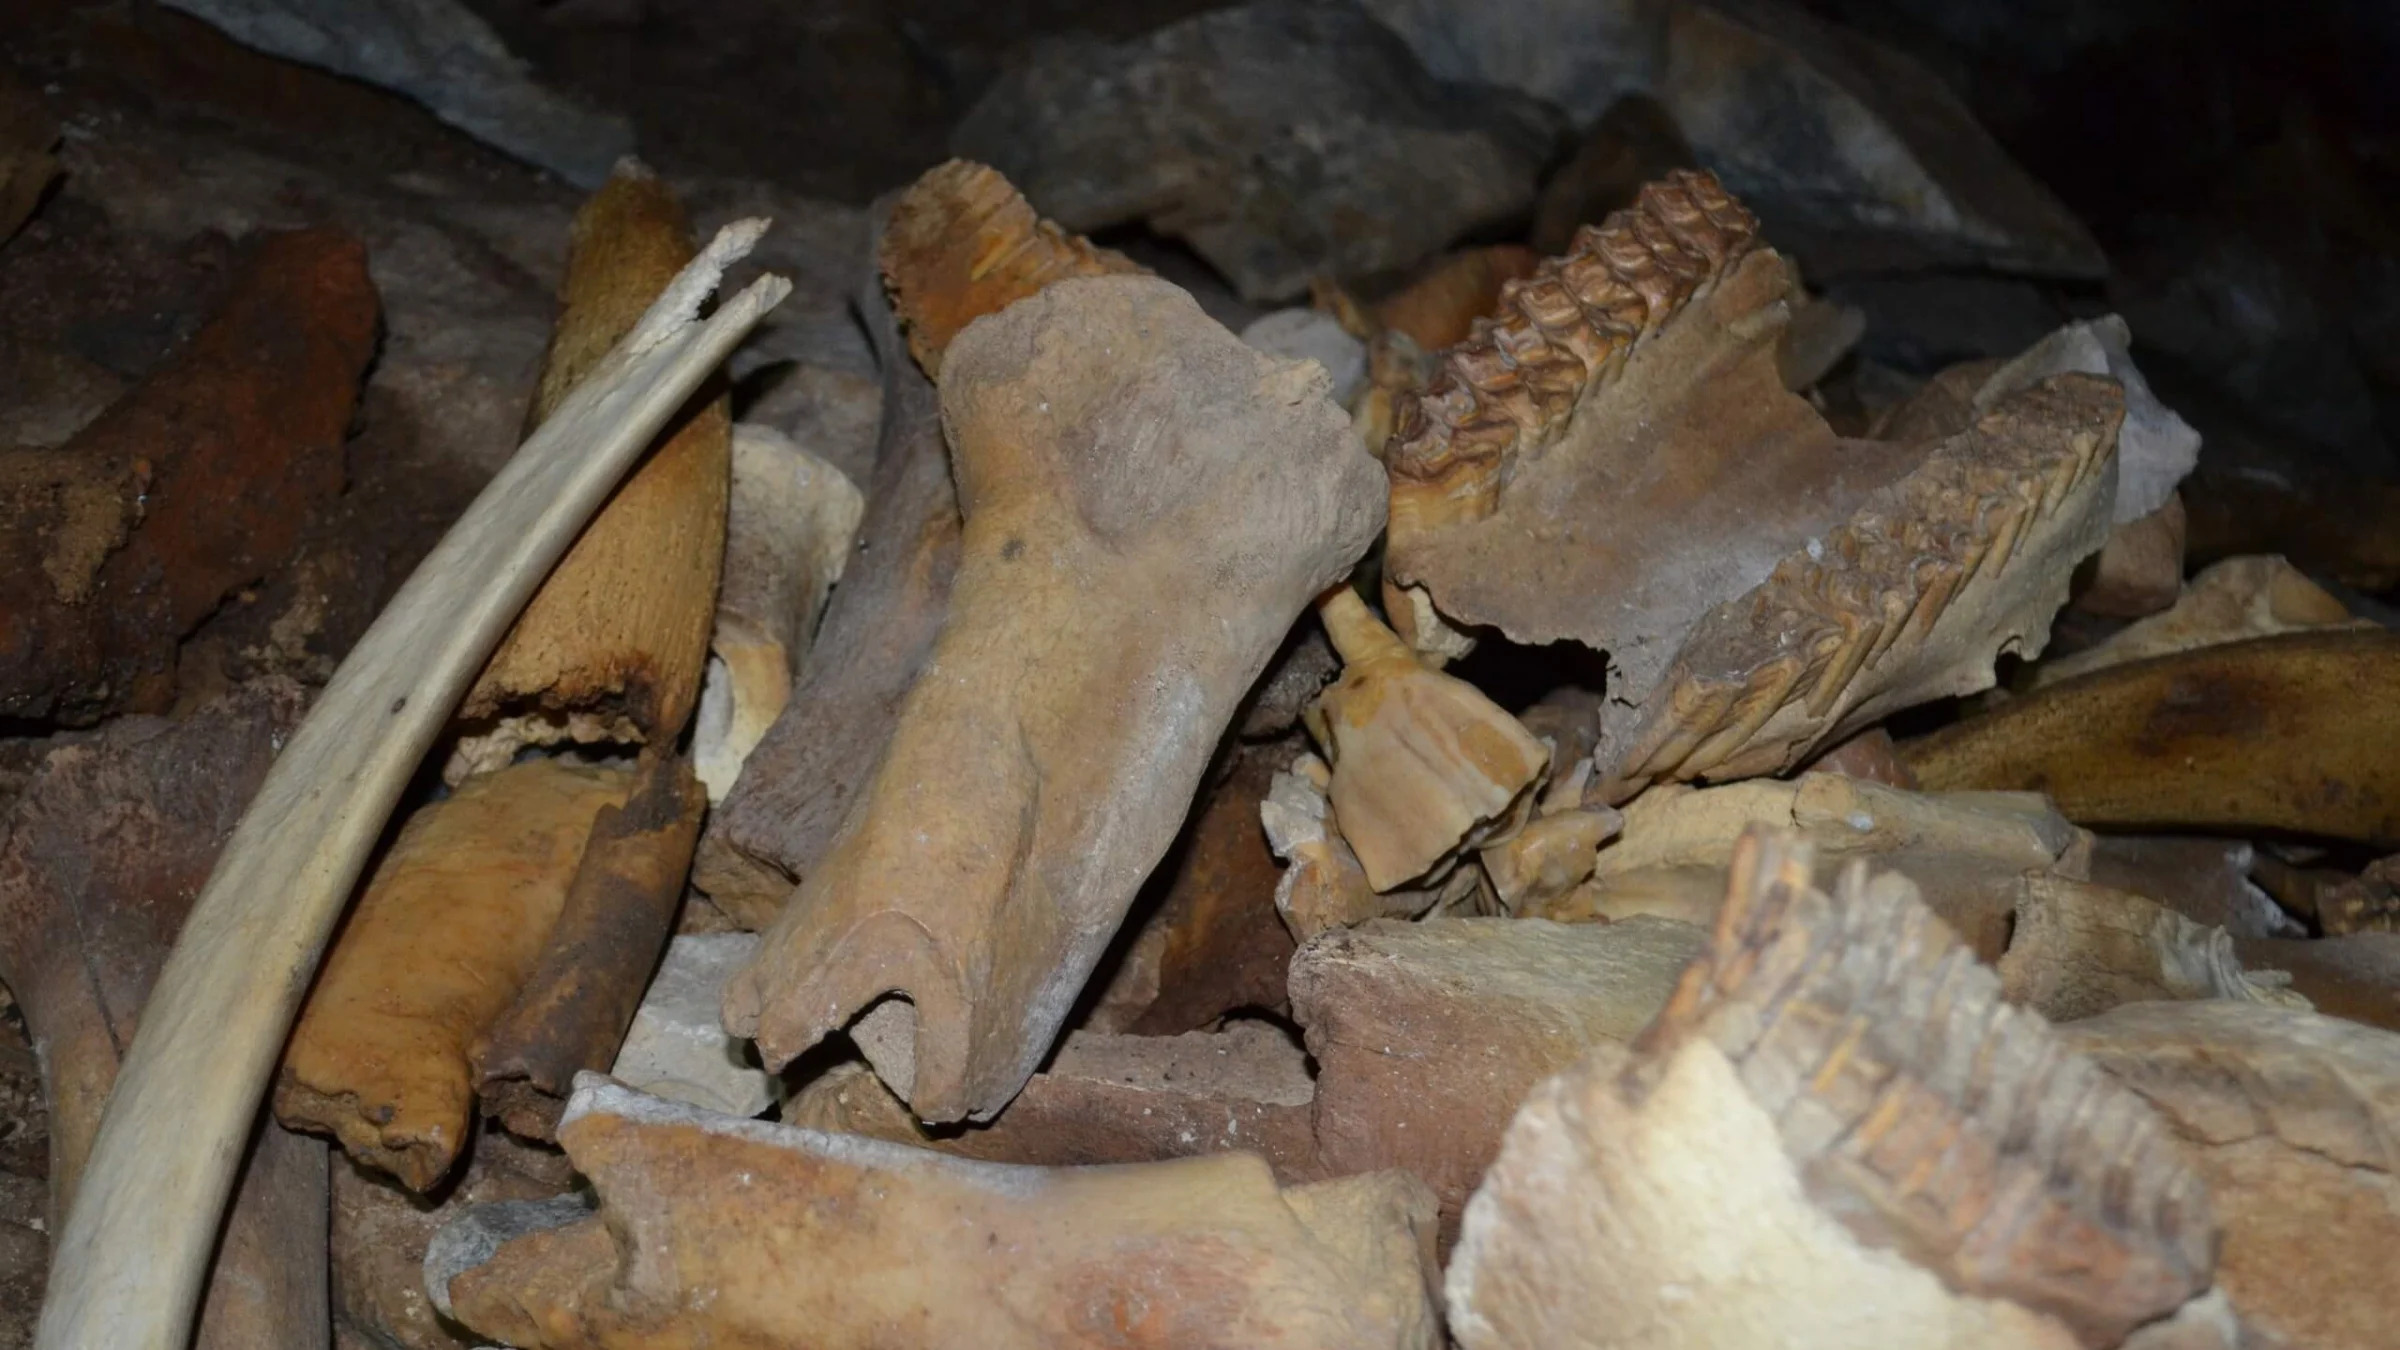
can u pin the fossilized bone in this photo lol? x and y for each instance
(963, 243)
(613, 645)
(1912, 598)
(1614, 453)
(1835, 1100)
(1422, 761)
(2291, 1117)
(736, 1231)
(571, 1011)
(446, 931)
(130, 1259)
(2078, 949)
(957, 244)
(789, 528)
(1113, 446)
(2294, 732)
(2238, 598)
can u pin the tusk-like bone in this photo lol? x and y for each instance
(132, 1257)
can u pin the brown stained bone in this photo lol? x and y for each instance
(1871, 755)
(613, 646)
(1112, 445)
(2139, 571)
(1964, 851)
(2078, 950)
(1615, 452)
(1550, 856)
(2291, 1118)
(879, 628)
(2229, 601)
(99, 859)
(2295, 732)
(732, 1231)
(1422, 762)
(963, 243)
(789, 530)
(1427, 1034)
(1913, 598)
(449, 928)
(572, 1011)
(1836, 1098)
(1440, 307)
(117, 544)
(1322, 886)
(1209, 940)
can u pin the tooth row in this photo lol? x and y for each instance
(1941, 1120)
(1511, 385)
(1883, 578)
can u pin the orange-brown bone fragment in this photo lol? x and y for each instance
(964, 243)
(447, 930)
(615, 641)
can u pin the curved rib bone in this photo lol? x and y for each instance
(1149, 504)
(130, 1260)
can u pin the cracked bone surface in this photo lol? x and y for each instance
(2291, 1117)
(1835, 1134)
(1148, 506)
(717, 1230)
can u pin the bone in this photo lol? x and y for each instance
(613, 645)
(2229, 601)
(449, 929)
(1763, 1152)
(99, 858)
(1324, 887)
(1427, 1034)
(1112, 444)
(2078, 950)
(2366, 903)
(748, 1232)
(796, 785)
(1422, 762)
(1551, 856)
(2205, 880)
(572, 1010)
(677, 1048)
(1964, 851)
(789, 527)
(2139, 571)
(1914, 598)
(2290, 732)
(1614, 453)
(963, 243)
(959, 243)
(1440, 307)
(2289, 1116)
(131, 1258)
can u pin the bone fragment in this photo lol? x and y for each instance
(612, 647)
(2078, 950)
(1112, 445)
(2291, 1119)
(743, 1232)
(449, 929)
(2139, 571)
(571, 1012)
(1440, 307)
(677, 1047)
(130, 1260)
(1323, 887)
(1835, 1134)
(1930, 580)
(2295, 732)
(789, 528)
(2229, 601)
(796, 785)
(1427, 1034)
(1550, 856)
(963, 243)
(1422, 762)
